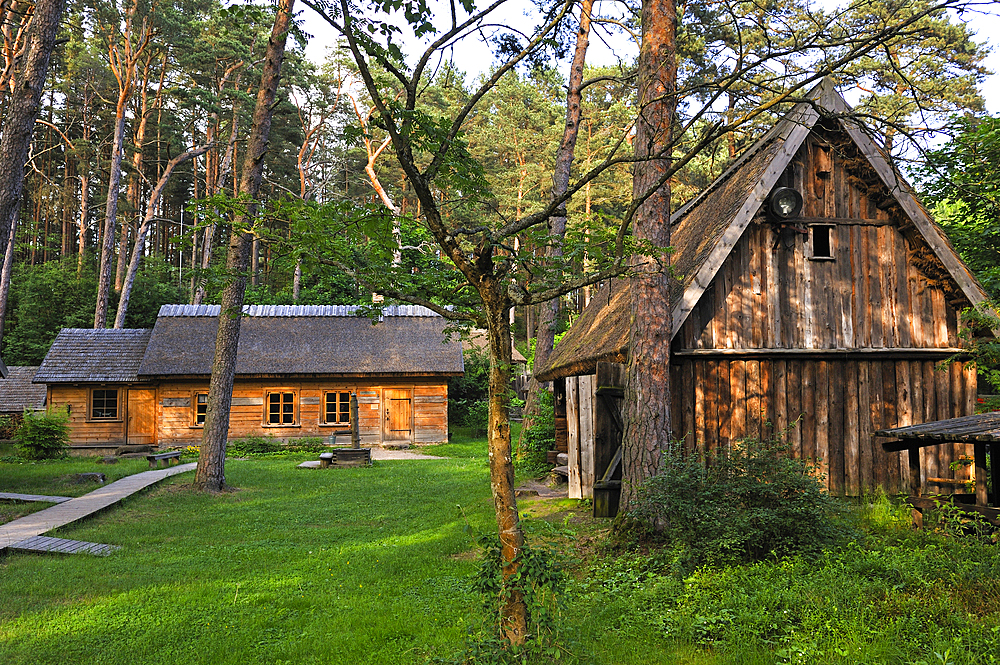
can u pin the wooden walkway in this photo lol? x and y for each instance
(63, 546)
(11, 496)
(36, 524)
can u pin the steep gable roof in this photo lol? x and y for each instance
(88, 355)
(18, 393)
(301, 340)
(706, 230)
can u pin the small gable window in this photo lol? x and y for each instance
(280, 408)
(337, 408)
(821, 242)
(104, 404)
(200, 408)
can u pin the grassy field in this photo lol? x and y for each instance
(373, 565)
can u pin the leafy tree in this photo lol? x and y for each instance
(961, 180)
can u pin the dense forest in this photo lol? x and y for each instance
(147, 106)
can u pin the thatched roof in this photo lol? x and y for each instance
(18, 393)
(87, 355)
(305, 340)
(706, 230)
(477, 340)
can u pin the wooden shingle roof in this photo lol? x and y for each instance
(706, 230)
(305, 340)
(87, 355)
(18, 393)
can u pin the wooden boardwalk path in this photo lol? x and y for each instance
(33, 497)
(63, 546)
(38, 523)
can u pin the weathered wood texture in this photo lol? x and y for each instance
(170, 406)
(826, 351)
(842, 442)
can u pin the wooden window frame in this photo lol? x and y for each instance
(118, 406)
(267, 407)
(194, 407)
(830, 228)
(322, 413)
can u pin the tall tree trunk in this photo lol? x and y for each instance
(514, 612)
(557, 224)
(210, 475)
(647, 391)
(110, 215)
(133, 194)
(25, 101)
(140, 236)
(8, 266)
(82, 221)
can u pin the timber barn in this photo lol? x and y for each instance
(811, 289)
(295, 371)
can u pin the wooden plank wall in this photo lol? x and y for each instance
(82, 432)
(769, 295)
(174, 413)
(827, 410)
(580, 397)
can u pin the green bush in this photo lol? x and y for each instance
(308, 444)
(43, 435)
(537, 441)
(751, 503)
(253, 445)
(477, 417)
(9, 425)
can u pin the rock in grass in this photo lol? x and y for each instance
(110, 459)
(81, 478)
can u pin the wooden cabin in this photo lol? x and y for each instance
(18, 394)
(296, 369)
(830, 320)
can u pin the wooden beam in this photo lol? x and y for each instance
(875, 352)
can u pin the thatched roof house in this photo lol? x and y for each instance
(830, 318)
(296, 369)
(18, 393)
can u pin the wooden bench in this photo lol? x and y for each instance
(164, 459)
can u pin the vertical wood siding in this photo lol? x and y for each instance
(770, 294)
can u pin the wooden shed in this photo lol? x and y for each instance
(18, 393)
(295, 371)
(834, 318)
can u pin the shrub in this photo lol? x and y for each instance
(43, 435)
(477, 417)
(540, 439)
(308, 444)
(748, 504)
(9, 425)
(253, 445)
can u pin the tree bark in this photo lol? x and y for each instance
(8, 266)
(647, 391)
(557, 223)
(25, 101)
(110, 214)
(140, 237)
(210, 475)
(514, 613)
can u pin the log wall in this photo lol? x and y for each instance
(826, 351)
(175, 421)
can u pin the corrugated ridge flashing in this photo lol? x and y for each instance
(295, 310)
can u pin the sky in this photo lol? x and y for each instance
(476, 57)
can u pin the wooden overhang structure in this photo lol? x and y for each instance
(822, 327)
(18, 393)
(979, 430)
(296, 370)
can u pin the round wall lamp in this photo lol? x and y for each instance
(784, 203)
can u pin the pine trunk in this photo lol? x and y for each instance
(647, 392)
(557, 224)
(210, 475)
(22, 110)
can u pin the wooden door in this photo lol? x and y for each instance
(141, 416)
(398, 404)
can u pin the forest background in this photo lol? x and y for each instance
(196, 65)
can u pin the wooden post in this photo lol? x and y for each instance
(981, 473)
(355, 429)
(913, 454)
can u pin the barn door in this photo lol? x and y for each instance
(141, 426)
(398, 404)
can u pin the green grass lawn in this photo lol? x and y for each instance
(372, 565)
